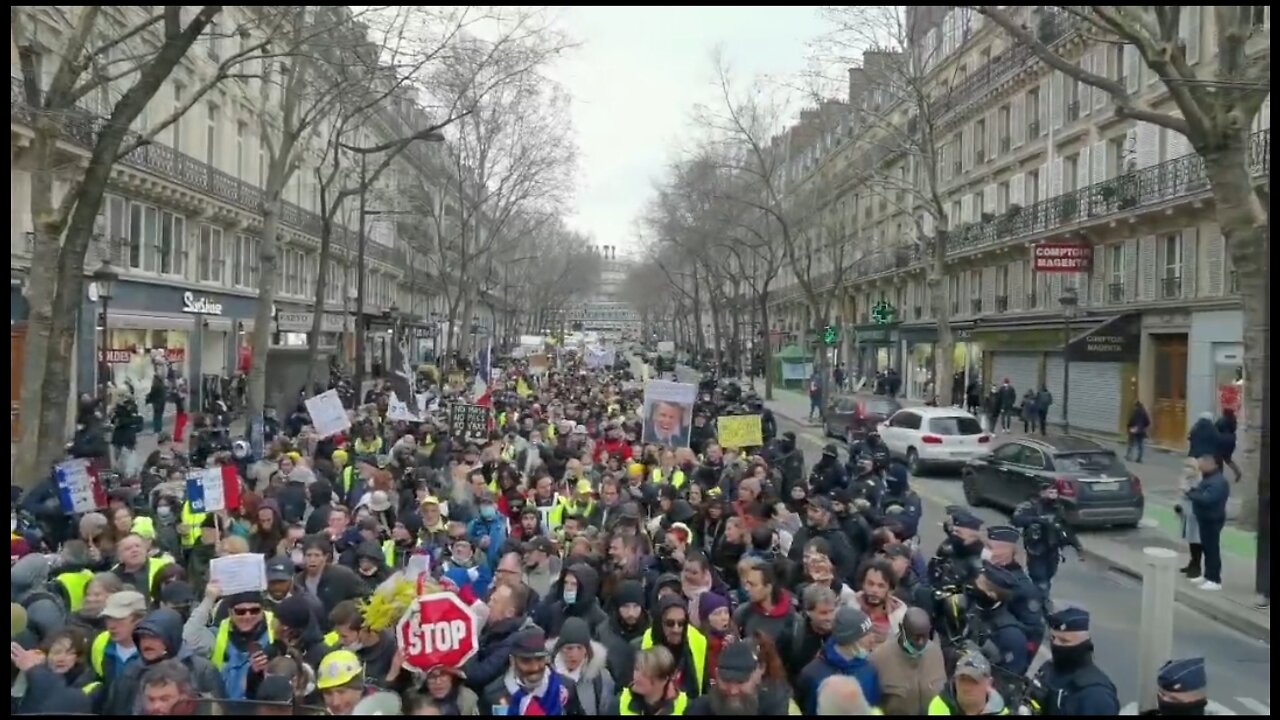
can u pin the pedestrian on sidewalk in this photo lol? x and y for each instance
(1209, 505)
(1203, 438)
(1139, 423)
(1186, 512)
(815, 395)
(157, 398)
(1008, 401)
(1044, 399)
(1029, 412)
(1226, 427)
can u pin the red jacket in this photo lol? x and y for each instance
(612, 447)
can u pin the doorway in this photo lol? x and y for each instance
(1169, 415)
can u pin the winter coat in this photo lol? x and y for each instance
(586, 605)
(829, 663)
(620, 643)
(46, 613)
(1209, 499)
(907, 683)
(1203, 439)
(41, 690)
(778, 621)
(337, 583)
(123, 697)
(595, 686)
(1139, 422)
(1226, 427)
(490, 664)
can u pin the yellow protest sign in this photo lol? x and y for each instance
(739, 431)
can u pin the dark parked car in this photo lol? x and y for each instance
(1095, 485)
(850, 417)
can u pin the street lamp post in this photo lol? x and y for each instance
(104, 279)
(1070, 302)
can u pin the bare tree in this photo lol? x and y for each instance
(1216, 108)
(894, 136)
(508, 160)
(645, 288)
(553, 267)
(108, 69)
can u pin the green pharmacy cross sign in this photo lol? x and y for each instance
(830, 336)
(883, 312)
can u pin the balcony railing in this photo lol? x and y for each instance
(1052, 27)
(975, 306)
(81, 126)
(1149, 186)
(1115, 293)
(1170, 288)
(1002, 303)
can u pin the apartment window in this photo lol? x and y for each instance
(1117, 62)
(241, 131)
(1002, 288)
(1002, 197)
(179, 92)
(957, 142)
(1171, 260)
(1070, 172)
(135, 235)
(955, 294)
(171, 249)
(1031, 193)
(211, 257)
(1116, 152)
(1115, 272)
(1073, 99)
(215, 41)
(979, 142)
(211, 133)
(1003, 124)
(978, 208)
(1033, 113)
(956, 217)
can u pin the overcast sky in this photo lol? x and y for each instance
(635, 82)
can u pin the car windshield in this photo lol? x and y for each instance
(955, 425)
(880, 406)
(1102, 461)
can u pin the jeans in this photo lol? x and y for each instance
(157, 418)
(1006, 419)
(1211, 543)
(1136, 443)
(1043, 417)
(815, 406)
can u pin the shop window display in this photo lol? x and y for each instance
(134, 356)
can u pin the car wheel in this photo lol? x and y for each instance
(913, 462)
(971, 496)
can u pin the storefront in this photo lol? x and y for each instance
(918, 360)
(1215, 362)
(877, 349)
(293, 327)
(159, 328)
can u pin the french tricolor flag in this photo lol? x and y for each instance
(213, 489)
(79, 489)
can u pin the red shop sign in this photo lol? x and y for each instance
(115, 356)
(1062, 257)
(175, 355)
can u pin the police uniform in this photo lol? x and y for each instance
(1002, 627)
(1043, 551)
(965, 561)
(1081, 690)
(1027, 603)
(1187, 678)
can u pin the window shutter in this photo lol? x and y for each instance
(1057, 98)
(1147, 274)
(1189, 31)
(966, 161)
(1017, 290)
(1099, 158)
(1097, 289)
(1015, 189)
(1043, 178)
(1018, 121)
(1179, 145)
(1100, 67)
(1044, 106)
(993, 134)
(1055, 178)
(988, 290)
(1148, 143)
(966, 208)
(1190, 251)
(1082, 168)
(989, 199)
(1131, 269)
(1215, 259)
(1132, 68)
(1086, 104)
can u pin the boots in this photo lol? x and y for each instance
(1192, 570)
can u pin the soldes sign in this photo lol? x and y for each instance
(1062, 257)
(199, 305)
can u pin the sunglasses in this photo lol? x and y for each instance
(674, 623)
(246, 612)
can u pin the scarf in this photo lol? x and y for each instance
(547, 699)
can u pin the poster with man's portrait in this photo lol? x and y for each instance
(668, 413)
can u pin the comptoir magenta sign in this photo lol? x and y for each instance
(1062, 257)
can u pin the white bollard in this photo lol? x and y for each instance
(1155, 638)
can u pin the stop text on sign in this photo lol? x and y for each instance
(1062, 257)
(436, 637)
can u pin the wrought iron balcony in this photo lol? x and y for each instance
(1052, 26)
(81, 126)
(1149, 186)
(975, 306)
(1171, 287)
(1115, 293)
(1002, 303)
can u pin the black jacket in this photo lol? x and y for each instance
(337, 583)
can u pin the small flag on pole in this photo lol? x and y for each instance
(79, 490)
(213, 489)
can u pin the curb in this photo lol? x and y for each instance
(1248, 621)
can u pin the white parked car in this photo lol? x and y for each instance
(934, 437)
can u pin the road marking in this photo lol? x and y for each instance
(1254, 706)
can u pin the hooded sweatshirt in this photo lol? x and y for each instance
(619, 638)
(830, 663)
(585, 604)
(945, 703)
(123, 697)
(45, 612)
(777, 621)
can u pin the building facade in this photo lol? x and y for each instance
(1031, 158)
(604, 311)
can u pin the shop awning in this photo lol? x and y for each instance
(1115, 339)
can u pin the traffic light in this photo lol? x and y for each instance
(830, 336)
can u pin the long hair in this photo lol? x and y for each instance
(770, 660)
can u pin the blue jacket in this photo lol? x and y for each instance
(495, 530)
(1203, 439)
(1209, 499)
(830, 663)
(462, 577)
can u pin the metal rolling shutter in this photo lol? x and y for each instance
(1096, 396)
(1053, 376)
(1022, 369)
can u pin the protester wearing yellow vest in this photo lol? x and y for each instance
(972, 690)
(652, 690)
(582, 503)
(113, 648)
(75, 583)
(192, 521)
(135, 568)
(671, 474)
(247, 624)
(693, 662)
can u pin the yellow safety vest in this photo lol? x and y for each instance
(697, 644)
(153, 566)
(585, 509)
(348, 478)
(193, 521)
(75, 583)
(98, 652)
(331, 639)
(91, 688)
(938, 706)
(389, 553)
(624, 703)
(223, 639)
(373, 447)
(677, 477)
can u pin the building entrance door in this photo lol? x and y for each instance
(1169, 416)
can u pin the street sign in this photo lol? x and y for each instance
(830, 336)
(883, 312)
(438, 630)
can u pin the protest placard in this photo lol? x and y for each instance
(244, 572)
(668, 412)
(739, 431)
(328, 416)
(469, 422)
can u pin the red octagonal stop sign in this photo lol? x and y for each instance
(438, 630)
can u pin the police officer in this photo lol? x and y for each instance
(1044, 533)
(1073, 685)
(1181, 688)
(870, 446)
(1027, 603)
(959, 556)
(827, 475)
(900, 507)
(994, 627)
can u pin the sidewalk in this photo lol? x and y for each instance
(1122, 549)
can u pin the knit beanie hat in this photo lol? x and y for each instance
(709, 602)
(575, 631)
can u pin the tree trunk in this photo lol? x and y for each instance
(464, 331)
(699, 339)
(1245, 224)
(943, 349)
(717, 327)
(268, 253)
(766, 347)
(322, 281)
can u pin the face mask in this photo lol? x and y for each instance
(354, 647)
(164, 511)
(1196, 707)
(488, 512)
(861, 653)
(570, 596)
(987, 554)
(1071, 657)
(909, 648)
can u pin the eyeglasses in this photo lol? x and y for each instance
(673, 624)
(246, 612)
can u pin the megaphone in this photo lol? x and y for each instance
(379, 703)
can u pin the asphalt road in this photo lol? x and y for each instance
(1239, 667)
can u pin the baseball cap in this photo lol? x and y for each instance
(738, 662)
(124, 604)
(584, 487)
(973, 664)
(279, 569)
(541, 544)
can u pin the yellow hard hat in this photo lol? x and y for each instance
(340, 457)
(338, 668)
(143, 527)
(636, 469)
